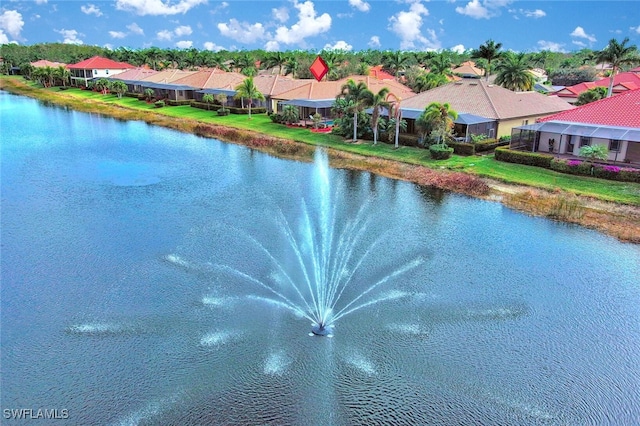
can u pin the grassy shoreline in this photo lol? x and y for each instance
(610, 207)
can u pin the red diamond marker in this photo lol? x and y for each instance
(319, 68)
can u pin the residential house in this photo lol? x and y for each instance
(613, 122)
(163, 84)
(468, 69)
(319, 96)
(501, 109)
(133, 78)
(95, 67)
(621, 83)
(207, 79)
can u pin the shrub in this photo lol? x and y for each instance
(440, 151)
(159, 104)
(490, 144)
(179, 103)
(522, 157)
(255, 110)
(462, 148)
(223, 112)
(277, 118)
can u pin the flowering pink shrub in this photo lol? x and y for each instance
(612, 169)
(573, 163)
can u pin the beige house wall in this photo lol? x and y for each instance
(505, 126)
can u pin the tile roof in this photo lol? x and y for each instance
(44, 63)
(167, 76)
(330, 89)
(468, 68)
(135, 74)
(272, 85)
(478, 97)
(210, 79)
(621, 82)
(379, 73)
(620, 110)
(98, 62)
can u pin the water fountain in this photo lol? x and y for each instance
(328, 258)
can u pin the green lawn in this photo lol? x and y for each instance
(486, 166)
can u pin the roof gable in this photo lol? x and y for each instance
(619, 110)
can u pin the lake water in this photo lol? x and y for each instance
(140, 268)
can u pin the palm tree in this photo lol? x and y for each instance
(378, 102)
(208, 99)
(275, 59)
(396, 112)
(222, 100)
(152, 55)
(361, 96)
(120, 87)
(396, 61)
(441, 64)
(102, 85)
(617, 54)
(513, 73)
(591, 95)
(489, 51)
(290, 114)
(247, 89)
(441, 118)
(62, 74)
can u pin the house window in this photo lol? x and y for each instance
(95, 71)
(107, 71)
(525, 122)
(614, 145)
(180, 92)
(584, 141)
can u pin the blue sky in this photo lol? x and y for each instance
(340, 24)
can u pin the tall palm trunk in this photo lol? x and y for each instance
(355, 126)
(614, 71)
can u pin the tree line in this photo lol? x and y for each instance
(418, 70)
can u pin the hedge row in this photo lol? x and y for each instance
(204, 105)
(575, 167)
(522, 157)
(462, 148)
(490, 144)
(603, 171)
(178, 103)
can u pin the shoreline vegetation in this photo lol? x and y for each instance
(610, 207)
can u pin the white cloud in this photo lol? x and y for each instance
(340, 45)
(41, 1)
(533, 13)
(483, 10)
(209, 45)
(117, 34)
(157, 7)
(11, 22)
(374, 42)
(579, 32)
(407, 25)
(458, 48)
(184, 44)
(551, 46)
(183, 30)
(474, 9)
(179, 31)
(362, 6)
(91, 9)
(70, 36)
(272, 46)
(579, 43)
(281, 14)
(242, 32)
(164, 35)
(3, 38)
(635, 29)
(308, 25)
(135, 29)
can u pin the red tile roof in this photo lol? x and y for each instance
(620, 110)
(621, 82)
(379, 73)
(98, 62)
(330, 89)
